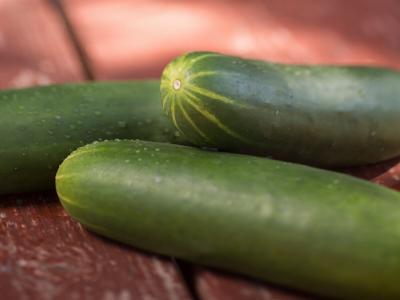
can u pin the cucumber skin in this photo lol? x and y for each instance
(314, 230)
(327, 116)
(40, 126)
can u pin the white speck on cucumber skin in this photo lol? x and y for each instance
(121, 124)
(177, 84)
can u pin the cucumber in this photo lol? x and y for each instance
(40, 126)
(318, 115)
(294, 225)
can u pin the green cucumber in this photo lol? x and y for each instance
(40, 126)
(319, 115)
(301, 227)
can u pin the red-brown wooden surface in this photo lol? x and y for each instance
(46, 255)
(136, 38)
(215, 285)
(34, 48)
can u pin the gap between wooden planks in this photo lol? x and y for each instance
(44, 254)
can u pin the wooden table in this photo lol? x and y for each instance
(44, 254)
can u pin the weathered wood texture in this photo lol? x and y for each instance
(34, 49)
(136, 39)
(386, 173)
(44, 254)
(214, 285)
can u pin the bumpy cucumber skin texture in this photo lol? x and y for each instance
(294, 225)
(40, 126)
(319, 115)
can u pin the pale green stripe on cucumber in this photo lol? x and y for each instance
(329, 116)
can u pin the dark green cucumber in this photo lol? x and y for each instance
(319, 115)
(294, 225)
(40, 126)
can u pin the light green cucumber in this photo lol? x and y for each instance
(329, 116)
(40, 126)
(318, 231)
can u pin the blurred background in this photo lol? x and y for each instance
(119, 39)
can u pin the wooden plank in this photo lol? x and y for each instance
(136, 39)
(215, 285)
(34, 50)
(44, 254)
(391, 177)
(386, 173)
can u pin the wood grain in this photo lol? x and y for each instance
(34, 50)
(385, 173)
(44, 254)
(136, 39)
(215, 285)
